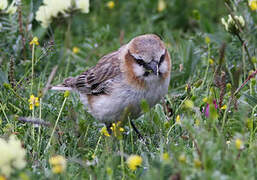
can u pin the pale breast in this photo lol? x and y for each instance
(109, 108)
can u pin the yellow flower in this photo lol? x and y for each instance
(207, 40)
(211, 61)
(110, 4)
(253, 5)
(239, 144)
(197, 163)
(34, 41)
(134, 161)
(161, 5)
(2, 177)
(224, 107)
(75, 50)
(12, 156)
(66, 94)
(165, 156)
(104, 131)
(182, 158)
(117, 130)
(58, 164)
(33, 101)
(205, 99)
(178, 121)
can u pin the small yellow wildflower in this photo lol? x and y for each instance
(66, 94)
(205, 99)
(2, 177)
(239, 144)
(197, 163)
(182, 158)
(34, 41)
(207, 40)
(58, 164)
(189, 104)
(224, 107)
(161, 5)
(165, 156)
(117, 130)
(110, 4)
(211, 61)
(178, 121)
(134, 161)
(104, 131)
(75, 50)
(33, 101)
(253, 5)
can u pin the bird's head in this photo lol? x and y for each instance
(150, 57)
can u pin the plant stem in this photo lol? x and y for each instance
(246, 49)
(33, 117)
(39, 128)
(2, 108)
(99, 139)
(122, 159)
(207, 69)
(32, 67)
(131, 136)
(55, 125)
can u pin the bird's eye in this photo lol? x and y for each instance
(140, 62)
(162, 58)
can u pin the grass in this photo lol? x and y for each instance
(205, 128)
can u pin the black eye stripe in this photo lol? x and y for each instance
(140, 62)
(162, 58)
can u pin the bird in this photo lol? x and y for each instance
(139, 70)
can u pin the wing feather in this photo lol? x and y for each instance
(98, 80)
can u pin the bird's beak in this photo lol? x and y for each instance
(153, 66)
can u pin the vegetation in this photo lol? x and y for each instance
(205, 128)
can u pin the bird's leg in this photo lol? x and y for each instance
(108, 127)
(135, 129)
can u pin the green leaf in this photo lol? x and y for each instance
(251, 99)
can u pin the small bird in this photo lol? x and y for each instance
(120, 80)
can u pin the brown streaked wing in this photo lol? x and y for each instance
(97, 80)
